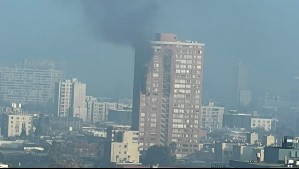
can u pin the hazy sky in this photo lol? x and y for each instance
(262, 34)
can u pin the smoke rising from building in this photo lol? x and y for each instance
(128, 23)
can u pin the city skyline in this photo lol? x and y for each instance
(247, 37)
(151, 84)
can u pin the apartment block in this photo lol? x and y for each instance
(70, 99)
(29, 83)
(127, 150)
(211, 115)
(13, 124)
(261, 122)
(169, 108)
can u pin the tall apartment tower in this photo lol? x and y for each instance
(169, 110)
(70, 98)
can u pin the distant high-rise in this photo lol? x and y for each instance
(70, 98)
(243, 93)
(30, 82)
(169, 108)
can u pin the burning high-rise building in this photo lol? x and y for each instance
(167, 94)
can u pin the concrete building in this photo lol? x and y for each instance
(246, 152)
(248, 121)
(70, 98)
(30, 83)
(268, 140)
(78, 103)
(237, 120)
(289, 150)
(262, 122)
(13, 124)
(252, 138)
(121, 117)
(223, 151)
(110, 106)
(98, 109)
(166, 104)
(122, 145)
(211, 116)
(126, 151)
(95, 110)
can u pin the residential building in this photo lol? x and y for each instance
(70, 98)
(268, 140)
(245, 152)
(237, 120)
(110, 106)
(167, 108)
(122, 145)
(252, 138)
(289, 150)
(98, 109)
(13, 124)
(126, 151)
(78, 103)
(95, 110)
(263, 123)
(248, 121)
(30, 83)
(223, 151)
(121, 117)
(211, 116)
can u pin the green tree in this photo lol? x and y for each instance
(161, 155)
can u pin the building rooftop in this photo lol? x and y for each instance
(245, 164)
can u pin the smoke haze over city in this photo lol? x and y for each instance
(149, 83)
(261, 34)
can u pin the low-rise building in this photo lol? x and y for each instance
(262, 122)
(126, 151)
(268, 140)
(252, 138)
(237, 120)
(246, 152)
(122, 117)
(14, 124)
(223, 151)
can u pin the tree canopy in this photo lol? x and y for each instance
(158, 154)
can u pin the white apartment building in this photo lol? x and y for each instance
(211, 115)
(126, 151)
(70, 98)
(98, 109)
(78, 103)
(29, 83)
(13, 123)
(264, 123)
(95, 110)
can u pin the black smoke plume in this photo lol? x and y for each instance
(129, 23)
(125, 22)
